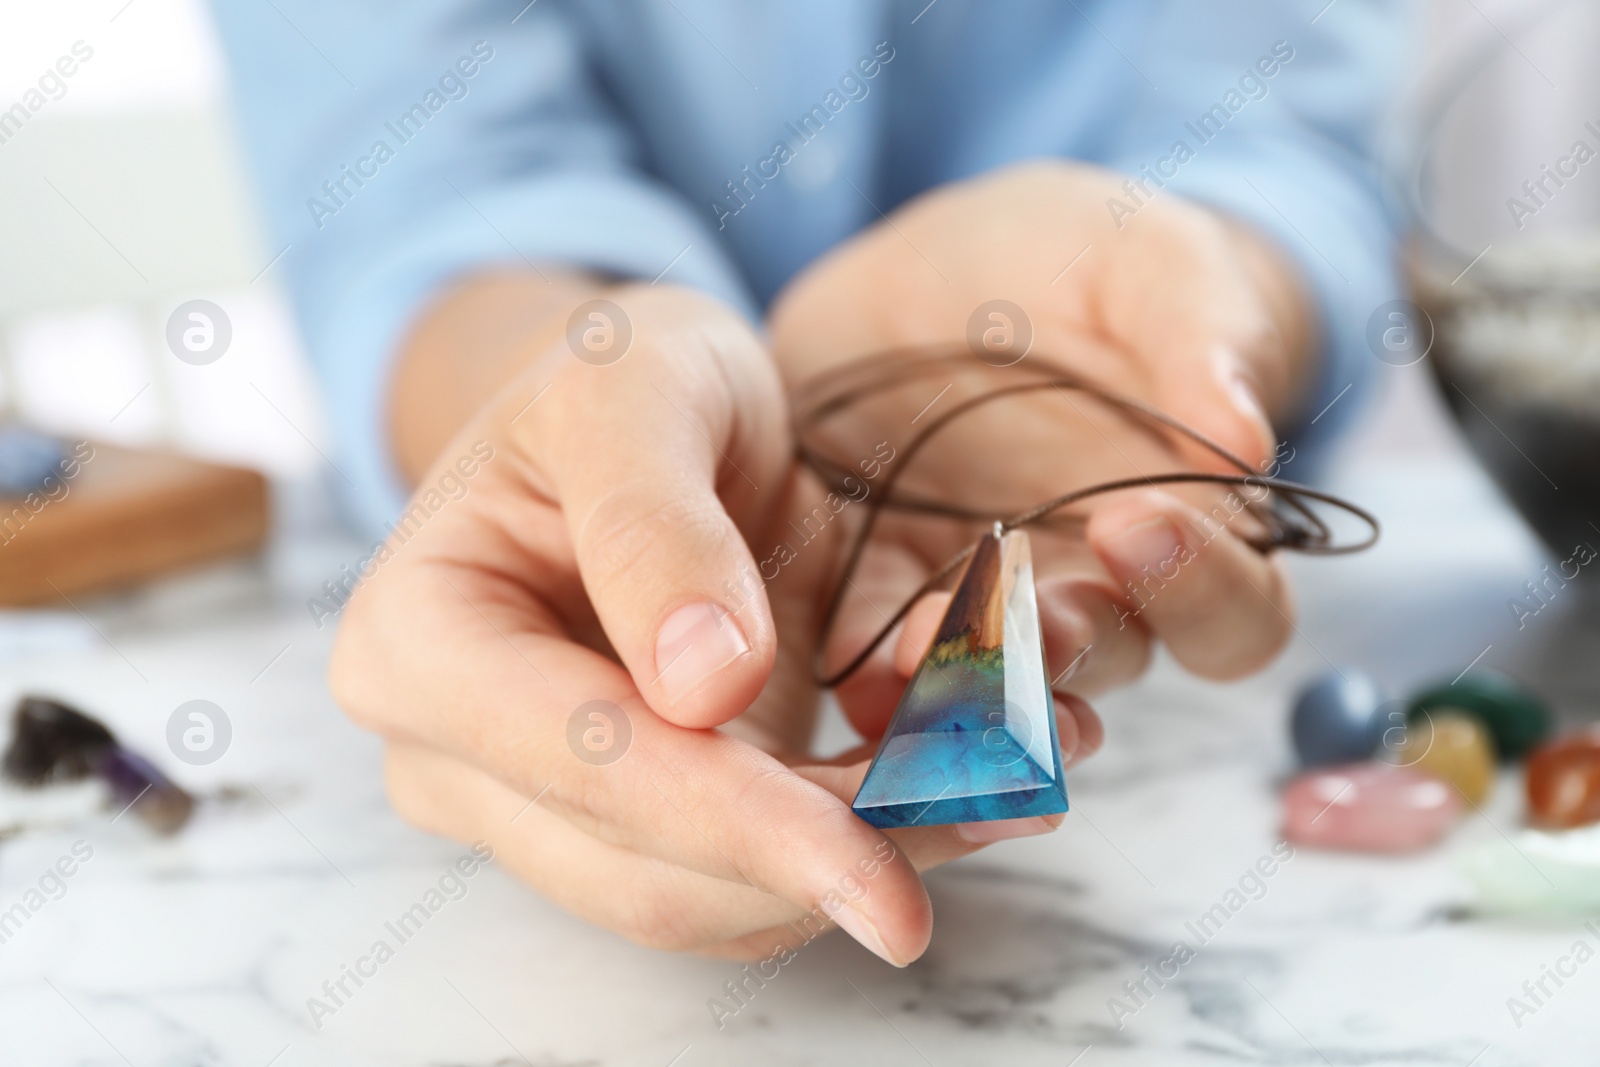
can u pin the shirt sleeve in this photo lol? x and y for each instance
(398, 145)
(1278, 110)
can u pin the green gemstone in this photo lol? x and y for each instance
(1515, 718)
(1536, 874)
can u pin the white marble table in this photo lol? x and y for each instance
(203, 949)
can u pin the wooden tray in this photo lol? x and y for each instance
(126, 516)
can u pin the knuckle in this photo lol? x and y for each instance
(666, 940)
(661, 921)
(368, 657)
(625, 534)
(407, 794)
(1137, 652)
(742, 951)
(355, 686)
(1120, 645)
(567, 429)
(584, 800)
(1228, 665)
(1250, 644)
(1125, 658)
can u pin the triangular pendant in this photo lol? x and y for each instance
(974, 737)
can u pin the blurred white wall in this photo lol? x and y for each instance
(1536, 82)
(1522, 89)
(125, 198)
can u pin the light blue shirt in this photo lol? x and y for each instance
(724, 144)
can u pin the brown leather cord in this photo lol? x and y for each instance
(1285, 510)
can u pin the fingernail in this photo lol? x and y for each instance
(1246, 400)
(1153, 543)
(987, 833)
(695, 642)
(858, 926)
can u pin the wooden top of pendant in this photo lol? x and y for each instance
(978, 607)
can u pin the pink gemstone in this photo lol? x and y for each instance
(1368, 807)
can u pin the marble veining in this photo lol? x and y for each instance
(202, 950)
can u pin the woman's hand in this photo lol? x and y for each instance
(581, 661)
(1179, 308)
(598, 657)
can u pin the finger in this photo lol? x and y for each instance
(1075, 713)
(1215, 337)
(479, 684)
(1221, 607)
(888, 574)
(1216, 391)
(648, 456)
(1093, 643)
(647, 900)
(931, 846)
(917, 632)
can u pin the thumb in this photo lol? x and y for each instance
(1206, 352)
(652, 458)
(1225, 339)
(1217, 393)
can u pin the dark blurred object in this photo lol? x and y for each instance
(28, 459)
(1517, 354)
(136, 782)
(51, 741)
(1516, 719)
(1503, 182)
(123, 516)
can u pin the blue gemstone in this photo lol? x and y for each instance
(27, 459)
(974, 736)
(1339, 718)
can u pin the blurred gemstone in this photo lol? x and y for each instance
(138, 784)
(1536, 873)
(1517, 720)
(51, 740)
(27, 459)
(1453, 745)
(1337, 719)
(974, 736)
(1368, 807)
(1563, 782)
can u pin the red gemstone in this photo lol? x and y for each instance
(1563, 782)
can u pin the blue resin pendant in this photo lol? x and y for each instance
(974, 736)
